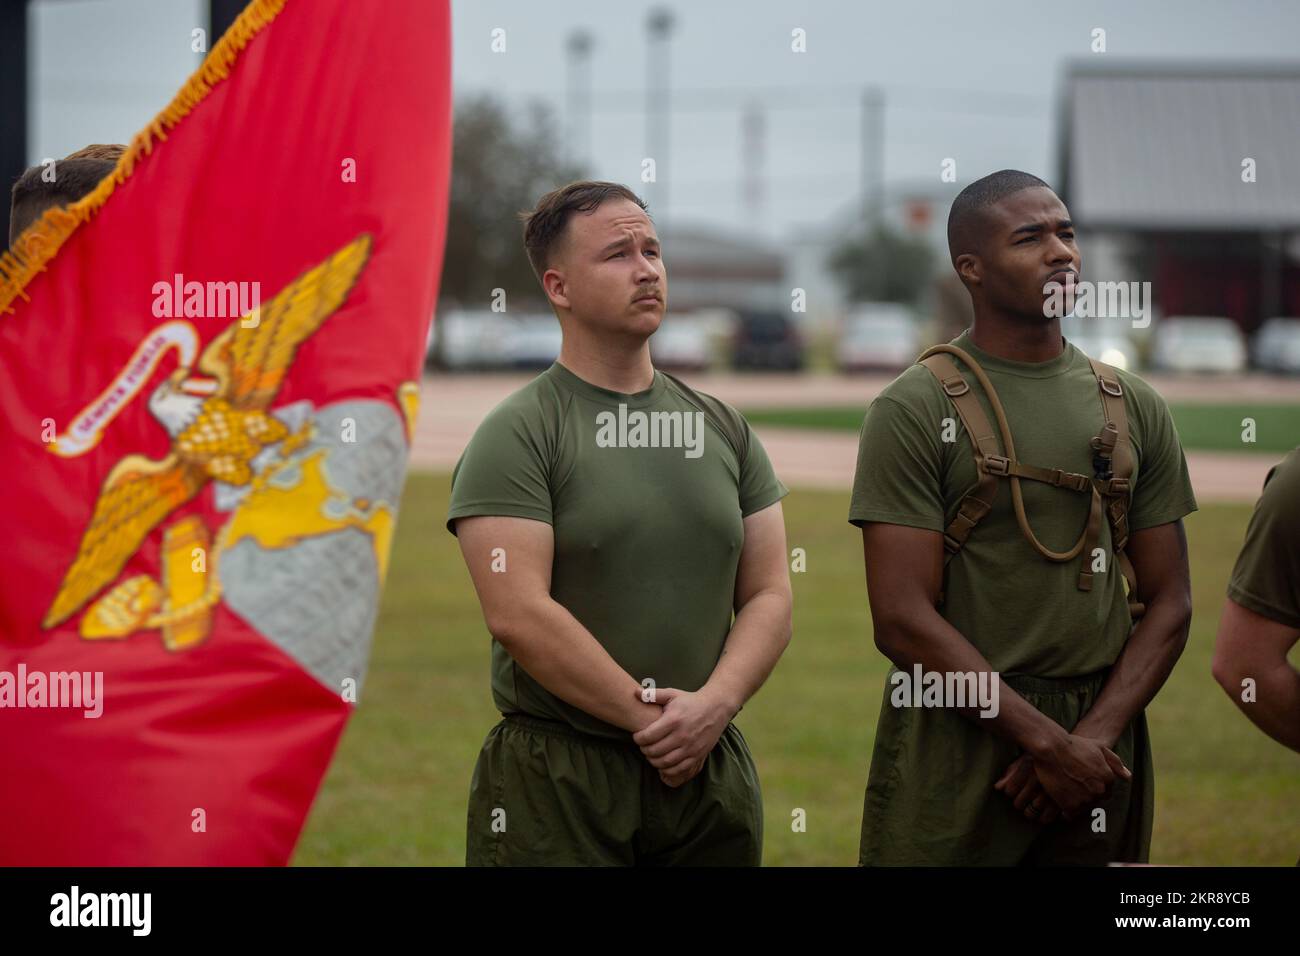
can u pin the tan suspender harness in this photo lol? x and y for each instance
(1112, 463)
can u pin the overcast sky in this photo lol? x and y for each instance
(978, 82)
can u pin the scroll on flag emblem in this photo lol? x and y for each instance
(209, 377)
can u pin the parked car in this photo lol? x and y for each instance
(534, 342)
(1277, 345)
(880, 335)
(464, 340)
(1101, 339)
(766, 340)
(1198, 344)
(682, 343)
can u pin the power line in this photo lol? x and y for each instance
(810, 98)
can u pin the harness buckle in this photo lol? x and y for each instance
(1067, 479)
(997, 464)
(1102, 447)
(1106, 439)
(1111, 387)
(954, 387)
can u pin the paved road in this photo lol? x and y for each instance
(451, 406)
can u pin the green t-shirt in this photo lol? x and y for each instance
(646, 502)
(1266, 578)
(1024, 613)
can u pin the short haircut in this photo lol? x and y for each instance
(966, 218)
(110, 151)
(544, 226)
(74, 176)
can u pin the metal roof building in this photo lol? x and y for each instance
(1193, 171)
(709, 268)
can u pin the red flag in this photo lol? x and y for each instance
(208, 372)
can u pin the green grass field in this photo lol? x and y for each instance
(396, 792)
(1200, 427)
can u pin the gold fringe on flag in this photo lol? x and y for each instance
(57, 224)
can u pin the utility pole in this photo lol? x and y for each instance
(659, 26)
(578, 69)
(752, 142)
(873, 179)
(872, 158)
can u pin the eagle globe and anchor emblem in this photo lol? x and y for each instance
(309, 496)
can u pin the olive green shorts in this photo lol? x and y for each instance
(930, 799)
(545, 794)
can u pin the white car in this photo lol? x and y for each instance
(681, 342)
(1277, 345)
(879, 335)
(1100, 339)
(1198, 344)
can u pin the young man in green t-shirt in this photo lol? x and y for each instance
(613, 520)
(1261, 619)
(1058, 770)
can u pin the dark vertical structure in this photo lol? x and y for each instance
(221, 14)
(14, 94)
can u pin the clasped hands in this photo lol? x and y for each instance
(678, 741)
(1064, 781)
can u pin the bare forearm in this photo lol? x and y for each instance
(1250, 664)
(759, 636)
(1275, 707)
(1141, 670)
(929, 640)
(560, 654)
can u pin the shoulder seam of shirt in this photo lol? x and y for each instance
(689, 395)
(566, 407)
(911, 414)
